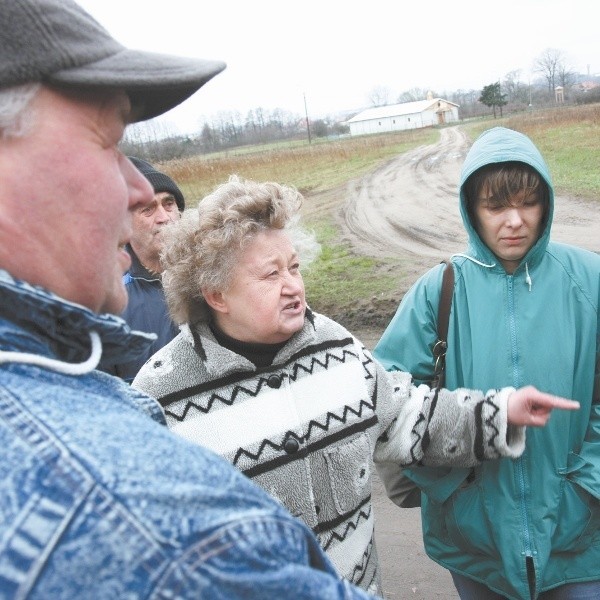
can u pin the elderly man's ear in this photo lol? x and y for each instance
(215, 300)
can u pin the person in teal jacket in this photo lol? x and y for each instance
(524, 310)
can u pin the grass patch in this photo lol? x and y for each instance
(338, 279)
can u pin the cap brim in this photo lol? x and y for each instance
(155, 83)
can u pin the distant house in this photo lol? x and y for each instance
(586, 86)
(409, 115)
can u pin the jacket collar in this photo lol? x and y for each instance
(138, 270)
(221, 361)
(36, 320)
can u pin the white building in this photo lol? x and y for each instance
(409, 115)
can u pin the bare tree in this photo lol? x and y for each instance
(516, 90)
(208, 139)
(414, 94)
(566, 76)
(150, 131)
(380, 95)
(230, 125)
(549, 64)
(155, 139)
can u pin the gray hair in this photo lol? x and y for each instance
(200, 250)
(16, 118)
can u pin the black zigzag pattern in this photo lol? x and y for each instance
(261, 382)
(384, 437)
(299, 367)
(235, 377)
(324, 346)
(361, 569)
(417, 440)
(480, 424)
(489, 423)
(426, 439)
(366, 363)
(329, 536)
(422, 441)
(305, 447)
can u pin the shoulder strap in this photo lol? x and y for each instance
(440, 346)
(445, 301)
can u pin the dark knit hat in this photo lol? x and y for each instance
(160, 182)
(57, 42)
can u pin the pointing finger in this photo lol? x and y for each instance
(546, 401)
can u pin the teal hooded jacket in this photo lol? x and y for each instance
(540, 326)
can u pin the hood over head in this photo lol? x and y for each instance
(498, 145)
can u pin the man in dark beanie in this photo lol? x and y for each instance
(146, 309)
(160, 181)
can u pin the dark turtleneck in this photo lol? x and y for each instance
(261, 355)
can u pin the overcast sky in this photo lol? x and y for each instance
(335, 52)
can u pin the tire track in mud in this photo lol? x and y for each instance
(409, 205)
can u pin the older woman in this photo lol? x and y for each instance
(290, 397)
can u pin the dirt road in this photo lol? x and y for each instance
(409, 208)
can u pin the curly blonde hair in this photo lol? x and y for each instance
(201, 249)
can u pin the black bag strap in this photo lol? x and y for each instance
(441, 345)
(445, 301)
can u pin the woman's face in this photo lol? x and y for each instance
(265, 302)
(509, 231)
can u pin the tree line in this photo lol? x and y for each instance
(231, 129)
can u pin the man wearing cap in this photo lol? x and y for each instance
(98, 499)
(147, 309)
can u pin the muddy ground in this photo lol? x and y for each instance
(408, 210)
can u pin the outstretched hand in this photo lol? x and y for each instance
(528, 406)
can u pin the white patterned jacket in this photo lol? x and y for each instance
(307, 427)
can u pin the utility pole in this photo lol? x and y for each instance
(307, 123)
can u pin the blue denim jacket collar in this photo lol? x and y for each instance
(58, 329)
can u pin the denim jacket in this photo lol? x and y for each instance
(99, 500)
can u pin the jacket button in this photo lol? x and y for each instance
(274, 381)
(291, 445)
